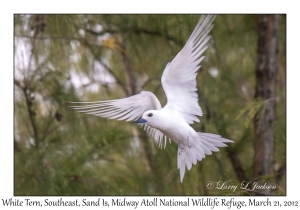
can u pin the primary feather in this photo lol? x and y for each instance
(179, 76)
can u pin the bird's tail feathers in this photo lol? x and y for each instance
(203, 145)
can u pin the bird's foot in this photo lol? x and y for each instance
(180, 149)
(189, 142)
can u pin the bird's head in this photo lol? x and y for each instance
(150, 117)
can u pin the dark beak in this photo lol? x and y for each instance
(140, 121)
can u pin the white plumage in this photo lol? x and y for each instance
(182, 108)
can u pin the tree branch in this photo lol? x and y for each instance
(118, 81)
(136, 31)
(31, 115)
(30, 112)
(236, 164)
(130, 76)
(150, 80)
(50, 37)
(280, 172)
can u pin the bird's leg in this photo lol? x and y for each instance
(179, 149)
(189, 142)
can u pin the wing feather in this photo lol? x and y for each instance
(129, 109)
(179, 76)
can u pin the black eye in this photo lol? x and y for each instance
(150, 115)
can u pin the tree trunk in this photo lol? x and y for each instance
(143, 137)
(266, 75)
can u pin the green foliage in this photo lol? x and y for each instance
(61, 58)
(252, 108)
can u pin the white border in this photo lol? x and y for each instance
(154, 6)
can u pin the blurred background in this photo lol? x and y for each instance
(61, 58)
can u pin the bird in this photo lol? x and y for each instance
(173, 121)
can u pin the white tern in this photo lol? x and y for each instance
(182, 108)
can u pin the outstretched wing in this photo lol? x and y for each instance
(129, 109)
(179, 76)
